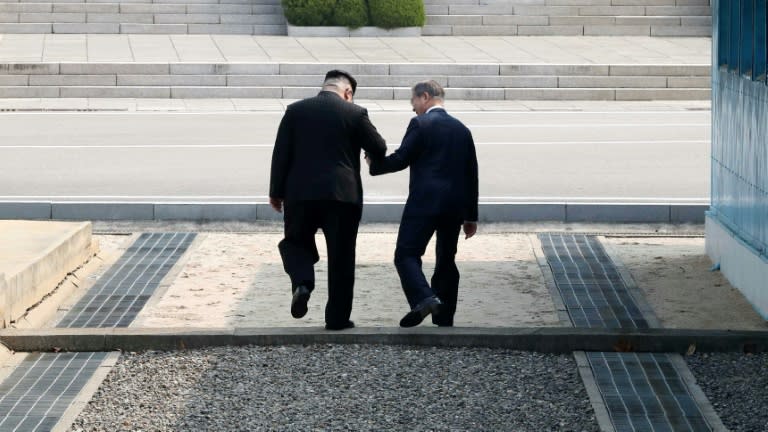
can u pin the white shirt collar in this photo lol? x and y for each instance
(434, 107)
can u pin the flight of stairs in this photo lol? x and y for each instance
(568, 17)
(444, 17)
(73, 75)
(377, 81)
(258, 17)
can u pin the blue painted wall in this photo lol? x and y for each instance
(740, 120)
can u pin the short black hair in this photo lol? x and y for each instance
(337, 73)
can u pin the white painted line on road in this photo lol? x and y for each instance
(15, 198)
(502, 143)
(576, 111)
(586, 125)
(120, 146)
(188, 146)
(371, 111)
(83, 197)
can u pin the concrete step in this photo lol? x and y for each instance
(447, 8)
(377, 93)
(377, 81)
(565, 18)
(35, 257)
(23, 11)
(274, 3)
(134, 28)
(263, 17)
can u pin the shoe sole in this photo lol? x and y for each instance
(417, 319)
(299, 307)
(334, 328)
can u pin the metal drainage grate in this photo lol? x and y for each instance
(40, 389)
(644, 392)
(123, 290)
(641, 392)
(589, 283)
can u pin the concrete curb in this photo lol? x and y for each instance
(539, 339)
(38, 275)
(372, 212)
(336, 31)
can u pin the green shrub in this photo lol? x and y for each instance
(348, 13)
(397, 13)
(308, 12)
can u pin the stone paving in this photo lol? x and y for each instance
(248, 104)
(474, 68)
(236, 280)
(628, 50)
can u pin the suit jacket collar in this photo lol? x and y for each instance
(328, 93)
(436, 108)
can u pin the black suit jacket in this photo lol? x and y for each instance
(441, 153)
(317, 150)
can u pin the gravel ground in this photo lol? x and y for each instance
(736, 386)
(332, 387)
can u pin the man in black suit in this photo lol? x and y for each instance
(443, 195)
(316, 179)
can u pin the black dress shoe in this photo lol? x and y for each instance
(299, 302)
(346, 325)
(416, 316)
(442, 323)
(441, 319)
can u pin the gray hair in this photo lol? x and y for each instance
(431, 87)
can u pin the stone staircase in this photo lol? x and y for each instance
(568, 17)
(83, 65)
(444, 17)
(259, 17)
(378, 81)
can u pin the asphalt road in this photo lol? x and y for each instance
(617, 156)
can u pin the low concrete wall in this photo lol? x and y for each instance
(335, 31)
(741, 264)
(44, 271)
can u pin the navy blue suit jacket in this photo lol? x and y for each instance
(440, 151)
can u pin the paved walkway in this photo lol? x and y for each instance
(509, 278)
(247, 49)
(237, 280)
(248, 104)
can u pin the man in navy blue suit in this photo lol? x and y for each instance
(443, 195)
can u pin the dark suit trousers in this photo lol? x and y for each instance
(412, 240)
(339, 222)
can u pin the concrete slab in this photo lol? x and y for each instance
(647, 213)
(744, 266)
(102, 211)
(560, 340)
(640, 50)
(25, 210)
(205, 211)
(34, 257)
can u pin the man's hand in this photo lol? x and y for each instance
(367, 159)
(276, 204)
(470, 228)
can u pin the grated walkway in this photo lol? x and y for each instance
(36, 394)
(641, 392)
